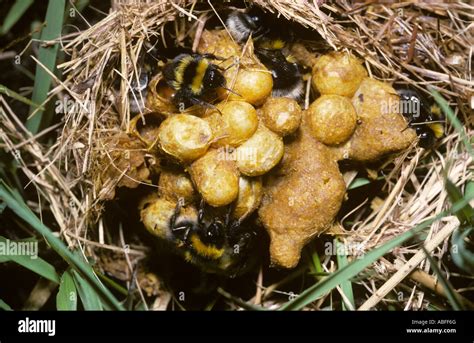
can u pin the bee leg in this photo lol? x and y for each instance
(409, 125)
(230, 90)
(202, 206)
(234, 231)
(186, 234)
(232, 65)
(213, 57)
(197, 101)
(228, 215)
(175, 215)
(176, 229)
(181, 231)
(246, 238)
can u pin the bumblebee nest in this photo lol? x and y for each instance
(96, 152)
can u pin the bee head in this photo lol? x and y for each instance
(426, 139)
(254, 18)
(207, 242)
(213, 234)
(213, 78)
(413, 104)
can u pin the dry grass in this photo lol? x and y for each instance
(411, 42)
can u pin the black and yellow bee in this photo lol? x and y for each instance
(217, 245)
(271, 47)
(273, 51)
(195, 79)
(426, 119)
(287, 78)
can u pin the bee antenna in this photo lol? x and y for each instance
(233, 64)
(213, 57)
(230, 90)
(205, 104)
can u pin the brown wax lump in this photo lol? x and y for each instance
(250, 195)
(216, 177)
(381, 130)
(338, 73)
(176, 186)
(236, 122)
(252, 84)
(301, 199)
(156, 213)
(219, 43)
(124, 161)
(332, 119)
(259, 153)
(159, 96)
(250, 80)
(281, 115)
(184, 137)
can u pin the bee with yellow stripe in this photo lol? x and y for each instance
(195, 79)
(217, 245)
(427, 120)
(273, 52)
(287, 78)
(272, 42)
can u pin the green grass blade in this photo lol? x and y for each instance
(465, 214)
(89, 298)
(240, 302)
(451, 294)
(316, 266)
(12, 94)
(4, 306)
(461, 252)
(31, 262)
(359, 182)
(462, 255)
(81, 5)
(469, 191)
(47, 56)
(112, 283)
(453, 120)
(14, 14)
(346, 286)
(22, 211)
(66, 299)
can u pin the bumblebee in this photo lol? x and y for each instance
(242, 24)
(425, 118)
(217, 245)
(253, 21)
(195, 79)
(287, 78)
(271, 47)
